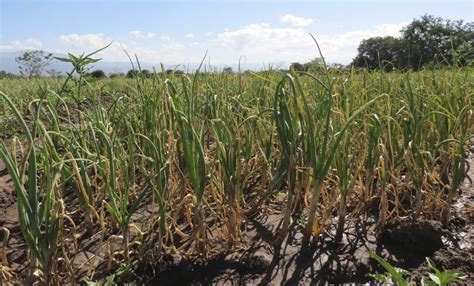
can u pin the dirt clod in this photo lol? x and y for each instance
(421, 237)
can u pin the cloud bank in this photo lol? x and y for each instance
(259, 43)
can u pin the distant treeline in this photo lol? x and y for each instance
(427, 42)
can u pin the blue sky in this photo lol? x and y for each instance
(180, 32)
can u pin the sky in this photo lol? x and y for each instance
(181, 32)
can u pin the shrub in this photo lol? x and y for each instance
(97, 74)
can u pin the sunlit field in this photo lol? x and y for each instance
(115, 179)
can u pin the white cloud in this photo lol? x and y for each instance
(28, 44)
(263, 42)
(173, 47)
(165, 38)
(85, 41)
(259, 43)
(342, 47)
(135, 34)
(296, 21)
(140, 35)
(169, 52)
(189, 36)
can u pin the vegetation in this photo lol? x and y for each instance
(429, 41)
(166, 157)
(426, 41)
(33, 63)
(97, 74)
(397, 275)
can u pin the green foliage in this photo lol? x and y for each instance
(5, 74)
(393, 274)
(80, 66)
(397, 275)
(381, 52)
(228, 70)
(314, 65)
(432, 40)
(33, 63)
(40, 207)
(132, 73)
(441, 277)
(97, 74)
(173, 162)
(426, 41)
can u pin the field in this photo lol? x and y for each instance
(232, 178)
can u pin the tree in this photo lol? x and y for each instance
(175, 72)
(314, 65)
(381, 52)
(426, 41)
(311, 66)
(433, 39)
(132, 73)
(116, 75)
(146, 73)
(297, 66)
(228, 70)
(5, 74)
(33, 63)
(97, 74)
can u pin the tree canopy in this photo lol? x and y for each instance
(426, 41)
(33, 63)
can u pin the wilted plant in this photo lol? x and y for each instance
(40, 206)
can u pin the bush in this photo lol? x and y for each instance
(146, 73)
(117, 75)
(97, 74)
(132, 73)
(5, 74)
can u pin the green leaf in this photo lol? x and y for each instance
(395, 273)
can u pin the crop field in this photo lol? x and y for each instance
(235, 178)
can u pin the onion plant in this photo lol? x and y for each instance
(193, 153)
(40, 206)
(175, 162)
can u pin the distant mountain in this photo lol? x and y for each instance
(7, 63)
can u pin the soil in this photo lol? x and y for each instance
(403, 242)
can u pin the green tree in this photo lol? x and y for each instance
(116, 75)
(381, 52)
(433, 39)
(426, 41)
(5, 74)
(314, 65)
(146, 73)
(97, 74)
(228, 70)
(33, 63)
(297, 67)
(132, 73)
